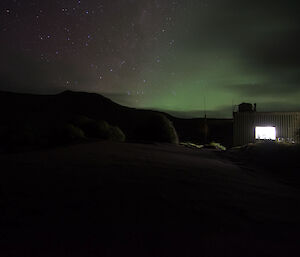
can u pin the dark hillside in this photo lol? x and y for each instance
(48, 110)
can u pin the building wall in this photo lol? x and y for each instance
(244, 123)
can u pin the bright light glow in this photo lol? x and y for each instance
(265, 133)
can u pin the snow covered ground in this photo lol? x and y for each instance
(122, 199)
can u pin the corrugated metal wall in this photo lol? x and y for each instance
(244, 123)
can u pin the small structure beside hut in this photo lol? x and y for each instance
(250, 126)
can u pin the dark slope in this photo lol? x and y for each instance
(68, 102)
(47, 109)
(121, 199)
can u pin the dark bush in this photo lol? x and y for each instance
(18, 135)
(116, 134)
(157, 128)
(73, 132)
(99, 129)
(81, 120)
(96, 129)
(66, 133)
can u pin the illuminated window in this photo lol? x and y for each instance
(265, 133)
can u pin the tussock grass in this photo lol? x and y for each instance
(192, 145)
(217, 146)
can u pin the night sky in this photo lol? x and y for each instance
(171, 55)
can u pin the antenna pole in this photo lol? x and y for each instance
(205, 106)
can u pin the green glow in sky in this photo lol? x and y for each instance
(181, 56)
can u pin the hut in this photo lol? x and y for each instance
(250, 126)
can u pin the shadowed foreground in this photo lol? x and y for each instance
(118, 199)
